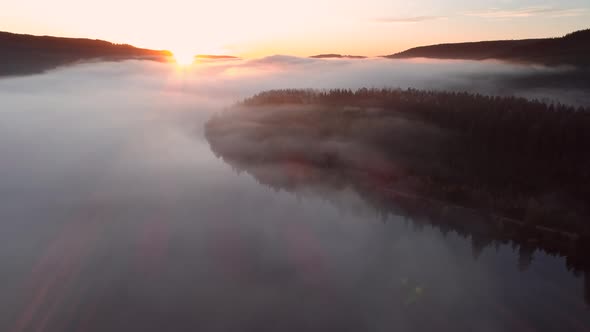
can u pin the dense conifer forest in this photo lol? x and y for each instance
(495, 169)
(521, 159)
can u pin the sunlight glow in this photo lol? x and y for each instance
(184, 58)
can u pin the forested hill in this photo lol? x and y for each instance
(337, 56)
(521, 159)
(571, 49)
(28, 54)
(496, 169)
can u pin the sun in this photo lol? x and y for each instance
(184, 58)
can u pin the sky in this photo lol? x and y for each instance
(305, 27)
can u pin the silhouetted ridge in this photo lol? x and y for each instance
(572, 49)
(28, 54)
(337, 56)
(215, 57)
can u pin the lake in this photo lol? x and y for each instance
(115, 215)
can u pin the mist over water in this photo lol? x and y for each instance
(116, 216)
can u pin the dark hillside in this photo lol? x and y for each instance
(572, 49)
(27, 54)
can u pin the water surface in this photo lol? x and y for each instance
(116, 216)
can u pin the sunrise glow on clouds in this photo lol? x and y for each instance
(306, 27)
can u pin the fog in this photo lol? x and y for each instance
(115, 214)
(219, 80)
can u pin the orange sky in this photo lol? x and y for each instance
(306, 27)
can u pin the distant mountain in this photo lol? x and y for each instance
(215, 57)
(337, 56)
(572, 49)
(27, 54)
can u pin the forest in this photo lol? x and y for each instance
(496, 169)
(28, 54)
(520, 159)
(571, 49)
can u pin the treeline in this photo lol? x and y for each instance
(571, 49)
(552, 131)
(496, 169)
(522, 159)
(28, 54)
(557, 134)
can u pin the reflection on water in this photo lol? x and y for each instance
(116, 216)
(302, 177)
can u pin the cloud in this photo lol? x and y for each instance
(281, 60)
(528, 12)
(411, 19)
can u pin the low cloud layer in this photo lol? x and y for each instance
(410, 19)
(525, 12)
